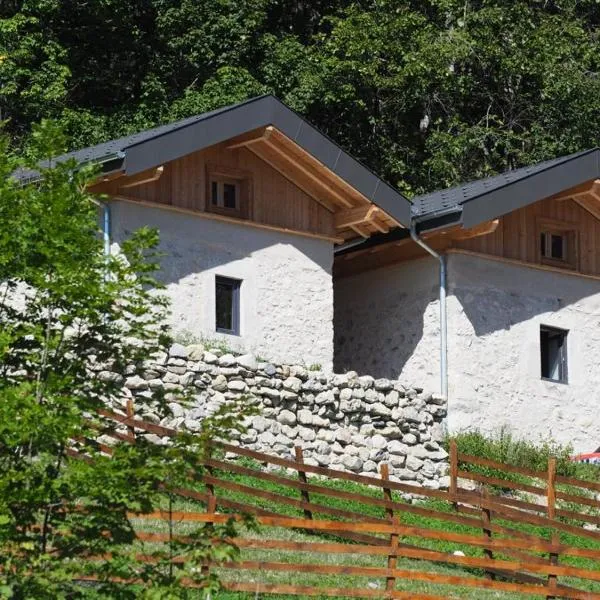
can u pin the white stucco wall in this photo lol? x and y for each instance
(286, 296)
(387, 324)
(495, 313)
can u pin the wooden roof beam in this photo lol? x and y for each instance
(307, 173)
(251, 138)
(141, 178)
(482, 229)
(355, 216)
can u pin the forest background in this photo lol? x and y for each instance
(428, 93)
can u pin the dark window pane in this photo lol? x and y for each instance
(229, 195)
(553, 353)
(543, 244)
(558, 247)
(214, 193)
(224, 305)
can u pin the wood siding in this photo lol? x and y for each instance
(517, 235)
(274, 201)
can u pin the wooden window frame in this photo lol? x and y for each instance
(242, 180)
(569, 232)
(236, 285)
(563, 353)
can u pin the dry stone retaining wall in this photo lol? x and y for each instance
(347, 422)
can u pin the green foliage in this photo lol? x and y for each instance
(503, 447)
(73, 324)
(427, 93)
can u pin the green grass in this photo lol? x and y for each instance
(367, 560)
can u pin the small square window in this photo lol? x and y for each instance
(554, 246)
(227, 305)
(553, 353)
(225, 194)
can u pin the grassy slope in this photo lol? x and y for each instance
(362, 560)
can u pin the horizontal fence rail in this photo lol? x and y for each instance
(500, 555)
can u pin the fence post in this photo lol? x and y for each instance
(553, 579)
(486, 521)
(211, 508)
(303, 479)
(453, 473)
(390, 583)
(130, 414)
(551, 488)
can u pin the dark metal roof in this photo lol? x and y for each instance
(153, 147)
(492, 197)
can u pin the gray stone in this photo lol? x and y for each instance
(292, 384)
(308, 435)
(195, 351)
(266, 438)
(410, 439)
(209, 358)
(248, 361)
(383, 385)
(413, 463)
(305, 417)
(176, 409)
(178, 351)
(344, 436)
(237, 386)
(270, 393)
(381, 410)
(136, 383)
(378, 441)
(352, 463)
(219, 383)
(227, 360)
(395, 447)
(110, 377)
(411, 415)
(270, 369)
(287, 417)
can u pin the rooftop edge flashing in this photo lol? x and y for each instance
(531, 189)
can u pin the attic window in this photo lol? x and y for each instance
(228, 191)
(557, 244)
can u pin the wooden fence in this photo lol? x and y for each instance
(498, 554)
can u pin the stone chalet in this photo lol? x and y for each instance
(280, 243)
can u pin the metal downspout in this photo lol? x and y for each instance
(443, 321)
(106, 227)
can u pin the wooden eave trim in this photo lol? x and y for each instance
(142, 178)
(251, 138)
(523, 263)
(482, 229)
(225, 219)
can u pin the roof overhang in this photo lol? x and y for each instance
(531, 189)
(259, 113)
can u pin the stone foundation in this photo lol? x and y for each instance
(343, 422)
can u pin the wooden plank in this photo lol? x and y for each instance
(551, 488)
(253, 137)
(140, 178)
(486, 462)
(576, 499)
(354, 216)
(433, 578)
(303, 590)
(484, 228)
(302, 477)
(505, 483)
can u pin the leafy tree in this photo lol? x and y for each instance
(429, 93)
(73, 324)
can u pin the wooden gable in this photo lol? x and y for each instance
(286, 188)
(512, 237)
